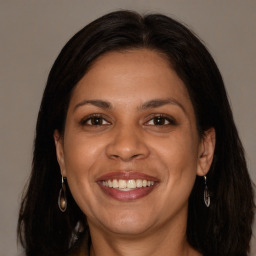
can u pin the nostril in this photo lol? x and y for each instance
(126, 157)
(114, 156)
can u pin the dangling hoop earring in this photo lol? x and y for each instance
(207, 198)
(62, 199)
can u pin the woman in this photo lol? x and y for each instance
(136, 151)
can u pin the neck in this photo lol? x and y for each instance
(140, 247)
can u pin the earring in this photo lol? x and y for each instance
(62, 199)
(207, 198)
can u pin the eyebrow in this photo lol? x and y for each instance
(98, 103)
(155, 103)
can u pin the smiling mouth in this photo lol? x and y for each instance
(127, 185)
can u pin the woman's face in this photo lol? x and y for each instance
(130, 149)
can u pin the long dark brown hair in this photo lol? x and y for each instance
(222, 229)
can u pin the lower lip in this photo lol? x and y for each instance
(127, 195)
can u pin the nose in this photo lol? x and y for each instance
(127, 144)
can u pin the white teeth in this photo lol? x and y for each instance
(131, 184)
(110, 184)
(122, 184)
(127, 185)
(105, 183)
(138, 183)
(115, 184)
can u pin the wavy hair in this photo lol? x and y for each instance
(222, 229)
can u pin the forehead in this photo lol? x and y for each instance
(131, 75)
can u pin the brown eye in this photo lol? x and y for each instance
(95, 121)
(160, 121)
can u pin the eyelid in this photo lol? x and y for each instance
(169, 118)
(95, 115)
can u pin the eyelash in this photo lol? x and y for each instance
(161, 117)
(102, 121)
(94, 117)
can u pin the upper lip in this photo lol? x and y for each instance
(125, 175)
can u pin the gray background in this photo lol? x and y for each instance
(32, 34)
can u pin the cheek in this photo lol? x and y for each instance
(178, 157)
(81, 153)
(82, 158)
(179, 151)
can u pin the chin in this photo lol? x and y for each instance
(129, 229)
(128, 224)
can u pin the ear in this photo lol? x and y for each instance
(206, 152)
(58, 139)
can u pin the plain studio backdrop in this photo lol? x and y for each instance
(33, 33)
